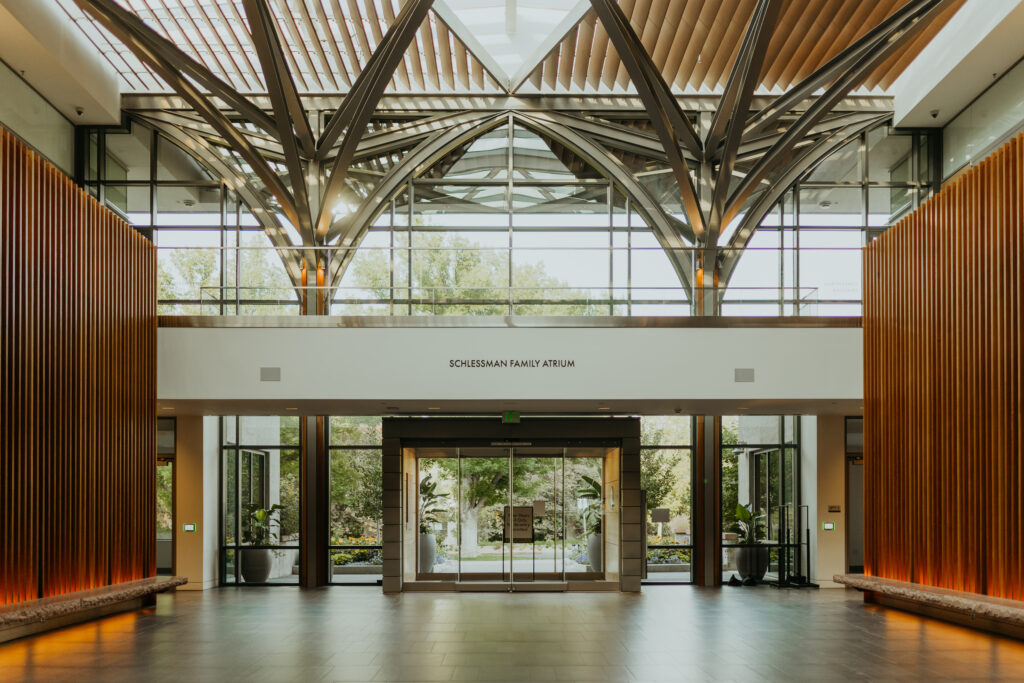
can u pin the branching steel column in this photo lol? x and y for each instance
(292, 124)
(144, 42)
(899, 29)
(727, 124)
(354, 113)
(668, 118)
(134, 33)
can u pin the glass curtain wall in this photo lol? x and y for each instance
(508, 227)
(805, 258)
(666, 474)
(354, 499)
(762, 518)
(213, 257)
(261, 500)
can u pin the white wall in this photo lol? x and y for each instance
(196, 500)
(218, 369)
(823, 484)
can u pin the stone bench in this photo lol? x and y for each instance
(997, 615)
(25, 618)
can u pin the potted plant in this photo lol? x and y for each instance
(592, 517)
(430, 510)
(752, 559)
(255, 564)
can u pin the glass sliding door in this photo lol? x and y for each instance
(484, 550)
(538, 525)
(517, 514)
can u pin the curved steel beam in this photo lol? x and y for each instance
(807, 161)
(351, 231)
(136, 35)
(207, 156)
(669, 233)
(360, 103)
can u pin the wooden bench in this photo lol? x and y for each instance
(997, 615)
(25, 618)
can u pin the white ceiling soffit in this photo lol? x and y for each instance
(510, 37)
(39, 41)
(977, 46)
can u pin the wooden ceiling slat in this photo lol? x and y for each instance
(597, 57)
(584, 47)
(427, 38)
(773, 66)
(351, 55)
(400, 80)
(842, 13)
(679, 39)
(461, 65)
(289, 29)
(551, 68)
(621, 76)
(356, 17)
(566, 56)
(890, 70)
(476, 71)
(315, 38)
(724, 13)
(667, 28)
(244, 76)
(693, 43)
(804, 66)
(444, 51)
(410, 62)
(798, 25)
(338, 71)
(696, 43)
(721, 65)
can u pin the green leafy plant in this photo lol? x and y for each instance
(258, 529)
(592, 513)
(431, 504)
(748, 526)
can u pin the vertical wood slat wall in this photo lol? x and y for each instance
(944, 387)
(77, 387)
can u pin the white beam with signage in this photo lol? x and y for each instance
(400, 370)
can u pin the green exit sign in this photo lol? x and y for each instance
(510, 417)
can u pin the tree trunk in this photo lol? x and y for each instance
(470, 541)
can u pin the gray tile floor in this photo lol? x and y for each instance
(668, 633)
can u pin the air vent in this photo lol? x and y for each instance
(273, 374)
(743, 375)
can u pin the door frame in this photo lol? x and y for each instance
(400, 433)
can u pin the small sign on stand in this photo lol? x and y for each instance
(521, 525)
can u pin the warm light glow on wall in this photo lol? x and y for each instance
(944, 387)
(77, 387)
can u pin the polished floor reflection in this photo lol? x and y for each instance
(667, 633)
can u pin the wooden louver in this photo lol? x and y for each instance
(944, 386)
(78, 385)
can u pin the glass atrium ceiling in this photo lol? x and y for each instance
(494, 46)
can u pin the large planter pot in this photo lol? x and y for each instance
(594, 548)
(752, 563)
(255, 564)
(428, 545)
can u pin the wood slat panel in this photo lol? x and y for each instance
(695, 42)
(943, 386)
(78, 384)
